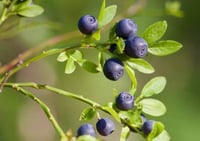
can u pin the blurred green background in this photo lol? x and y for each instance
(22, 120)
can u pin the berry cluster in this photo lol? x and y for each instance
(113, 69)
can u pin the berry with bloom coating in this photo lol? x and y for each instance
(87, 24)
(136, 47)
(126, 28)
(113, 69)
(147, 127)
(125, 101)
(86, 129)
(105, 126)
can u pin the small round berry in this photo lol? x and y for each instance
(136, 47)
(147, 126)
(112, 48)
(86, 129)
(87, 24)
(113, 69)
(105, 126)
(126, 28)
(124, 101)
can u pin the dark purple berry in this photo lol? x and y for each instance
(113, 69)
(124, 101)
(86, 129)
(126, 28)
(87, 24)
(112, 48)
(147, 127)
(136, 47)
(105, 126)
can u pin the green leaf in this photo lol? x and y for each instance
(89, 66)
(141, 65)
(153, 107)
(62, 57)
(102, 9)
(164, 136)
(173, 8)
(87, 114)
(120, 46)
(155, 31)
(158, 128)
(87, 138)
(163, 48)
(154, 86)
(30, 11)
(108, 15)
(124, 133)
(112, 112)
(76, 55)
(131, 74)
(70, 66)
(100, 61)
(96, 35)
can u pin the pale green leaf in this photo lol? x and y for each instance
(70, 66)
(164, 136)
(62, 57)
(131, 74)
(141, 65)
(163, 48)
(30, 11)
(124, 133)
(154, 86)
(155, 31)
(87, 138)
(76, 55)
(153, 107)
(158, 128)
(87, 114)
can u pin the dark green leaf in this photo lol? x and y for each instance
(141, 65)
(90, 66)
(164, 136)
(155, 31)
(108, 15)
(131, 74)
(124, 133)
(163, 48)
(30, 11)
(87, 114)
(153, 107)
(70, 66)
(158, 127)
(112, 33)
(62, 57)
(154, 86)
(112, 112)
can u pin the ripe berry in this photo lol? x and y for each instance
(113, 69)
(124, 101)
(126, 28)
(105, 126)
(86, 129)
(136, 47)
(87, 24)
(147, 127)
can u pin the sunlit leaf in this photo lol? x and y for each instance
(87, 114)
(153, 107)
(141, 65)
(163, 48)
(70, 66)
(163, 136)
(158, 128)
(154, 86)
(62, 57)
(124, 133)
(155, 31)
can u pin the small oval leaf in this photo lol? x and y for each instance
(141, 65)
(70, 66)
(163, 48)
(87, 114)
(155, 31)
(30, 11)
(153, 107)
(154, 86)
(90, 66)
(62, 57)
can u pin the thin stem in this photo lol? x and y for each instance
(71, 95)
(46, 111)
